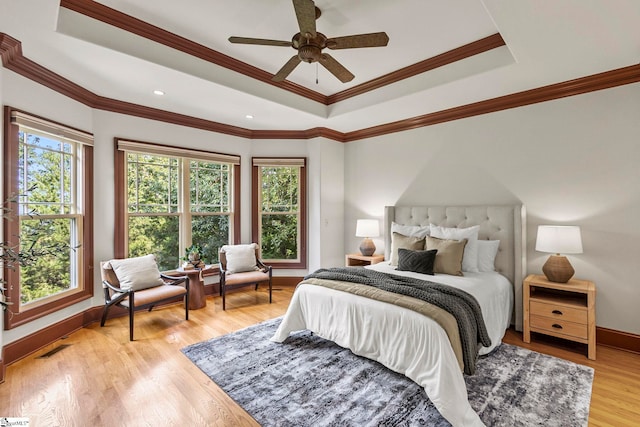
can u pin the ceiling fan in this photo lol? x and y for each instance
(309, 43)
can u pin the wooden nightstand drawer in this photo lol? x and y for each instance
(558, 326)
(559, 312)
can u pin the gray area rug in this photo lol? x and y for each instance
(309, 381)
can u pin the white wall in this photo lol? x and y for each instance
(24, 94)
(329, 218)
(570, 161)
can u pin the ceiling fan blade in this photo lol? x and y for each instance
(265, 42)
(336, 68)
(358, 40)
(286, 69)
(306, 15)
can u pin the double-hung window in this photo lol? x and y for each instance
(169, 198)
(48, 185)
(279, 210)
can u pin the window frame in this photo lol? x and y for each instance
(120, 186)
(256, 210)
(14, 316)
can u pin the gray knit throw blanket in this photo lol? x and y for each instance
(462, 305)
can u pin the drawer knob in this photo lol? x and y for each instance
(557, 312)
(555, 325)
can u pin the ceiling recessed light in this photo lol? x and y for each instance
(249, 116)
(158, 92)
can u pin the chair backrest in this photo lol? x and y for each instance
(107, 273)
(222, 256)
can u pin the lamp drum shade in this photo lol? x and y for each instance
(367, 228)
(557, 239)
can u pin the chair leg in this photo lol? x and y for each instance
(222, 285)
(104, 314)
(131, 311)
(222, 290)
(186, 306)
(270, 288)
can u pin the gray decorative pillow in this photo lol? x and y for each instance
(449, 256)
(416, 261)
(399, 241)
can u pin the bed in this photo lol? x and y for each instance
(406, 341)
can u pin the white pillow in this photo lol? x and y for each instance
(470, 258)
(487, 251)
(240, 258)
(410, 230)
(137, 273)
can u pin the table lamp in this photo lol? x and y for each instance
(367, 228)
(557, 239)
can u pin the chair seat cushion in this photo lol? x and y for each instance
(246, 277)
(150, 295)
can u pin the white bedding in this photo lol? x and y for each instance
(401, 339)
(492, 290)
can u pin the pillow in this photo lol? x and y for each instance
(410, 230)
(449, 256)
(416, 261)
(487, 251)
(470, 259)
(399, 241)
(240, 258)
(137, 273)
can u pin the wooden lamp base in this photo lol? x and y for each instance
(558, 269)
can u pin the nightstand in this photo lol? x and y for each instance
(563, 310)
(357, 260)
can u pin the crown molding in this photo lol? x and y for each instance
(131, 109)
(143, 29)
(582, 85)
(299, 134)
(458, 54)
(12, 59)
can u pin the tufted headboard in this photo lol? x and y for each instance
(502, 222)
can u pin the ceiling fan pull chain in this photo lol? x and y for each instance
(316, 73)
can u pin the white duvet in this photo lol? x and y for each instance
(401, 339)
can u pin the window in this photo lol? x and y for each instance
(279, 210)
(47, 183)
(174, 198)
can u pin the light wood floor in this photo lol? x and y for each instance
(102, 379)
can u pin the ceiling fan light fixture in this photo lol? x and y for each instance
(309, 53)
